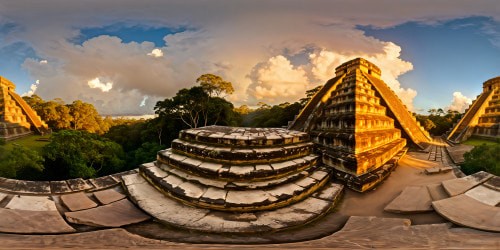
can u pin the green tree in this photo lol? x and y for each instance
(73, 154)
(20, 162)
(482, 158)
(85, 117)
(214, 85)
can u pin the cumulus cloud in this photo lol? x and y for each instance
(43, 62)
(258, 55)
(97, 84)
(156, 53)
(278, 80)
(459, 102)
(32, 90)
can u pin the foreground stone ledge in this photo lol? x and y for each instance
(32, 222)
(466, 211)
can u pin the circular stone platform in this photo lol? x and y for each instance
(241, 180)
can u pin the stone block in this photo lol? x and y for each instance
(77, 201)
(413, 199)
(32, 222)
(32, 203)
(59, 187)
(108, 196)
(79, 184)
(116, 214)
(485, 195)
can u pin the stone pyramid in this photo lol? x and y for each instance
(482, 118)
(235, 180)
(359, 124)
(17, 118)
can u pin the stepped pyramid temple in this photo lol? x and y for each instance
(482, 118)
(17, 118)
(359, 125)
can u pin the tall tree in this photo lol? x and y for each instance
(214, 85)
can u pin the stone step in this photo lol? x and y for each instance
(461, 185)
(236, 172)
(413, 199)
(250, 183)
(242, 156)
(33, 222)
(217, 198)
(467, 211)
(174, 213)
(243, 137)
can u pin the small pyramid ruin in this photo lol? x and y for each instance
(359, 125)
(482, 118)
(235, 180)
(17, 118)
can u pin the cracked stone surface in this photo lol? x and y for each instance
(116, 214)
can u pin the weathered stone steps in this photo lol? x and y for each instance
(217, 198)
(244, 137)
(226, 154)
(236, 172)
(173, 212)
(246, 184)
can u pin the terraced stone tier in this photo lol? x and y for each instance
(213, 194)
(227, 153)
(244, 137)
(253, 171)
(173, 212)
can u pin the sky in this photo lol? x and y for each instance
(124, 56)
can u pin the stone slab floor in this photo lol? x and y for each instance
(368, 227)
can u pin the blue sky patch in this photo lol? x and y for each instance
(457, 54)
(129, 33)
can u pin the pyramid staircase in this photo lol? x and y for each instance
(235, 180)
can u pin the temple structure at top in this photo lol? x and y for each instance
(359, 124)
(482, 118)
(17, 118)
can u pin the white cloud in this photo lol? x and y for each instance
(156, 53)
(278, 80)
(97, 84)
(33, 89)
(43, 62)
(459, 102)
(143, 102)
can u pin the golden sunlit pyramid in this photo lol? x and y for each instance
(483, 116)
(17, 118)
(359, 125)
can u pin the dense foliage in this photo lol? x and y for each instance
(72, 154)
(438, 122)
(482, 158)
(20, 161)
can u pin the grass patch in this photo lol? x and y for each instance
(479, 141)
(34, 142)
